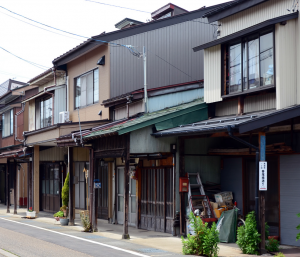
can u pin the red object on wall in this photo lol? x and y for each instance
(23, 201)
(183, 185)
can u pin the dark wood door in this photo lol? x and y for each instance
(102, 175)
(157, 199)
(51, 188)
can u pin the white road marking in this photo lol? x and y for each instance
(79, 238)
(7, 254)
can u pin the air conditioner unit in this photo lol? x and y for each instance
(63, 117)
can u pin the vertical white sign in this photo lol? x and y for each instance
(263, 177)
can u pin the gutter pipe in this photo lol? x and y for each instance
(229, 129)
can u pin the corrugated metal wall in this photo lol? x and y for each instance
(163, 101)
(289, 199)
(60, 102)
(255, 15)
(227, 108)
(212, 74)
(286, 64)
(231, 179)
(260, 103)
(165, 47)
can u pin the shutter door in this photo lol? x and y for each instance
(289, 198)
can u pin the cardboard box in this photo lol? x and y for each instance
(214, 205)
(223, 197)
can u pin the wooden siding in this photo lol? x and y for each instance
(134, 108)
(254, 15)
(286, 64)
(53, 154)
(260, 102)
(212, 74)
(227, 108)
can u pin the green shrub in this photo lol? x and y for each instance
(65, 191)
(211, 239)
(272, 245)
(59, 214)
(247, 236)
(85, 219)
(267, 233)
(204, 242)
(280, 255)
(298, 227)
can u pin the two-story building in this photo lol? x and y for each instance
(14, 157)
(252, 91)
(49, 118)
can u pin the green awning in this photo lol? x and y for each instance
(194, 116)
(163, 119)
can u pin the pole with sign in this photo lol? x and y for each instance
(263, 186)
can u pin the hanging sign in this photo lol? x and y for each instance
(263, 178)
(97, 185)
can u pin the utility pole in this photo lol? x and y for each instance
(145, 79)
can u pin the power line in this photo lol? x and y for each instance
(61, 29)
(32, 63)
(39, 27)
(117, 6)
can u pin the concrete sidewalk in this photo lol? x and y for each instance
(154, 242)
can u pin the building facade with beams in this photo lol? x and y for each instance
(14, 157)
(252, 92)
(121, 98)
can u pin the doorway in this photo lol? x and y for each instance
(81, 186)
(120, 198)
(50, 184)
(271, 195)
(102, 175)
(157, 199)
(2, 183)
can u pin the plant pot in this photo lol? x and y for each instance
(31, 214)
(274, 237)
(64, 222)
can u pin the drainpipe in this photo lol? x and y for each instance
(16, 123)
(229, 129)
(54, 74)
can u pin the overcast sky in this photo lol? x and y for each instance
(77, 16)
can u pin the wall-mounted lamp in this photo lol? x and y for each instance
(100, 113)
(102, 162)
(101, 61)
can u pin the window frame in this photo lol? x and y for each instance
(225, 62)
(11, 123)
(40, 101)
(75, 83)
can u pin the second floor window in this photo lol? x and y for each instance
(250, 63)
(8, 123)
(46, 114)
(87, 89)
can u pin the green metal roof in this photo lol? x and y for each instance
(148, 119)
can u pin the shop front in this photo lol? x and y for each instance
(223, 152)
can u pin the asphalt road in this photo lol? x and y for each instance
(27, 240)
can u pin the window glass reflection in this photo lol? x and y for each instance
(235, 68)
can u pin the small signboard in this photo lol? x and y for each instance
(97, 185)
(263, 177)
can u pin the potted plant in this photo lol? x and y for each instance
(30, 213)
(63, 213)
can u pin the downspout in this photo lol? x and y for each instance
(229, 129)
(16, 123)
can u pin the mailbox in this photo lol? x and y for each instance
(183, 185)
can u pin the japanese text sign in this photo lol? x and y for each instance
(263, 178)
